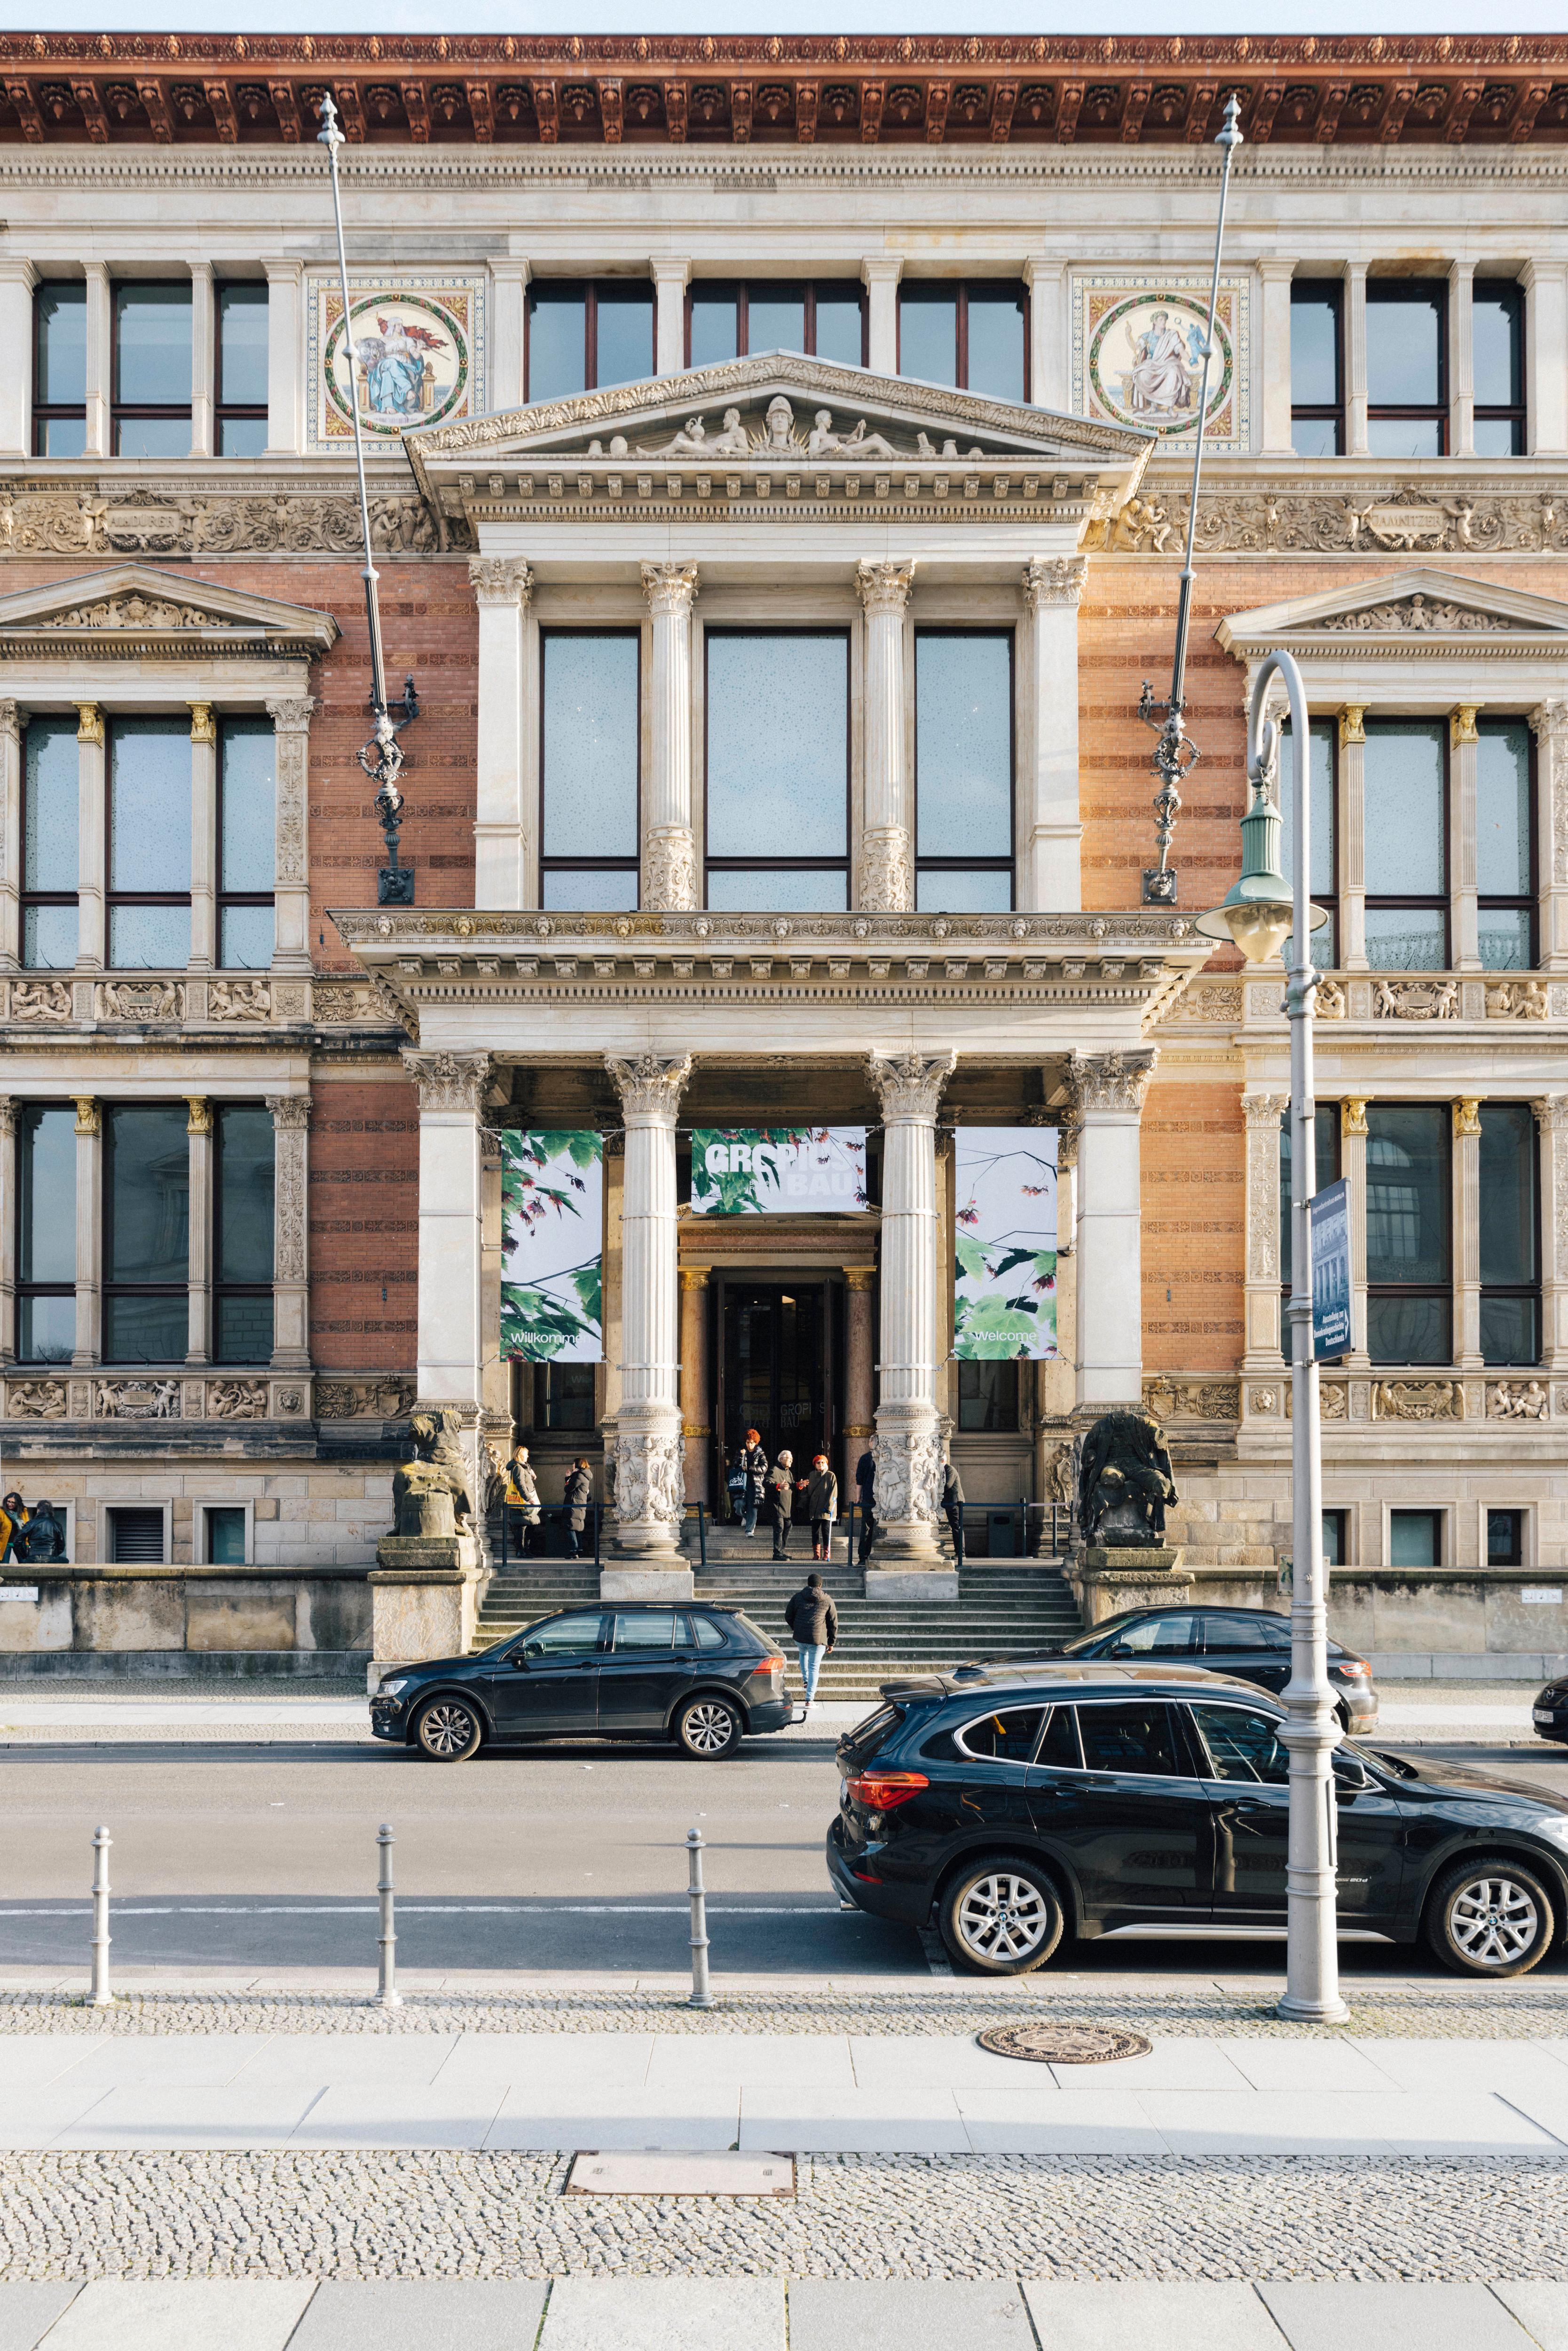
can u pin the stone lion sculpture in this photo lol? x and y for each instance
(430, 1489)
(1125, 1481)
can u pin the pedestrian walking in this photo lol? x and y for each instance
(781, 1493)
(579, 1493)
(521, 1500)
(13, 1519)
(822, 1506)
(754, 1465)
(866, 1486)
(813, 1622)
(953, 1509)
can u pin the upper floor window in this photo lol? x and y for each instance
(1497, 342)
(1407, 853)
(243, 1184)
(970, 332)
(963, 770)
(146, 1233)
(589, 765)
(585, 333)
(778, 768)
(51, 799)
(731, 321)
(1407, 366)
(1409, 1200)
(149, 844)
(46, 1234)
(247, 832)
(1317, 367)
(1321, 882)
(151, 387)
(1510, 1235)
(239, 370)
(1505, 843)
(60, 368)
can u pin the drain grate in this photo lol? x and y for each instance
(1063, 2044)
(652, 2171)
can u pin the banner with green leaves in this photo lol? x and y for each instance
(552, 1245)
(777, 1171)
(1004, 1252)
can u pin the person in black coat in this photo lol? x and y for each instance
(781, 1491)
(865, 1486)
(814, 1622)
(754, 1465)
(953, 1509)
(577, 1494)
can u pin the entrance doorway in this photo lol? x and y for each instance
(777, 1369)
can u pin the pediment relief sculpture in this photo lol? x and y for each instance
(1420, 615)
(778, 437)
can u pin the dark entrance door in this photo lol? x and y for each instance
(775, 1369)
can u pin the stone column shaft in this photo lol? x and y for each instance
(1550, 721)
(908, 1417)
(510, 296)
(1551, 1128)
(204, 358)
(1356, 359)
(670, 280)
(1050, 342)
(199, 1229)
(99, 336)
(1048, 829)
(1464, 946)
(1462, 359)
(887, 832)
(1546, 287)
(290, 1231)
(204, 946)
(89, 1230)
(1465, 1178)
(504, 813)
(285, 359)
(1263, 1114)
(7, 1228)
(1276, 274)
(92, 940)
(669, 844)
(291, 881)
(858, 1422)
(451, 1226)
(696, 1431)
(10, 837)
(1352, 840)
(882, 272)
(650, 1484)
(17, 279)
(1108, 1091)
(1353, 1167)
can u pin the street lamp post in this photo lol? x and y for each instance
(1258, 914)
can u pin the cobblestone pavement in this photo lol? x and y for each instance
(500, 2215)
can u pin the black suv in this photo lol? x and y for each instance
(1250, 1644)
(1095, 1800)
(703, 1677)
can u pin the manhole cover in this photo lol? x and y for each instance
(1063, 2044)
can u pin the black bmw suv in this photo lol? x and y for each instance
(1020, 1806)
(703, 1677)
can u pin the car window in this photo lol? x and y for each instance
(1138, 1735)
(564, 1636)
(1009, 1736)
(1091, 1644)
(644, 1628)
(706, 1633)
(1060, 1746)
(1158, 1637)
(1226, 1632)
(1244, 1746)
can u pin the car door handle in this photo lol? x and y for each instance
(1099, 1780)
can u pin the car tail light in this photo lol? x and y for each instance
(1355, 1670)
(768, 1665)
(880, 1791)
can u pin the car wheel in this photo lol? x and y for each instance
(448, 1731)
(1491, 1917)
(1002, 1916)
(709, 1728)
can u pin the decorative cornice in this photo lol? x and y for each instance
(136, 611)
(52, 509)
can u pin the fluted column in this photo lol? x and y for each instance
(859, 1427)
(1464, 740)
(1548, 723)
(1466, 1180)
(696, 1431)
(650, 1481)
(1108, 1091)
(91, 948)
(89, 1230)
(507, 718)
(10, 836)
(908, 1417)
(1263, 1114)
(291, 1231)
(1352, 838)
(887, 849)
(199, 1226)
(204, 947)
(669, 845)
(290, 716)
(1050, 830)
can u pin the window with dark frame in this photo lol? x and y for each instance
(46, 1233)
(146, 1233)
(563, 1398)
(239, 369)
(243, 1194)
(1415, 1538)
(151, 389)
(1510, 1218)
(60, 368)
(1324, 848)
(589, 767)
(1405, 824)
(1325, 1139)
(1505, 843)
(584, 334)
(777, 769)
(1496, 349)
(972, 332)
(1505, 1539)
(51, 799)
(225, 1546)
(149, 861)
(989, 1397)
(1407, 366)
(733, 319)
(1409, 1299)
(1336, 1538)
(1317, 367)
(964, 757)
(247, 832)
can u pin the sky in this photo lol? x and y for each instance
(797, 17)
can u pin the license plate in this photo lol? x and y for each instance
(1545, 1714)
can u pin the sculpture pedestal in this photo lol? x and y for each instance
(1109, 1577)
(424, 1600)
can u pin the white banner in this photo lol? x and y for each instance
(777, 1171)
(1004, 1253)
(552, 1257)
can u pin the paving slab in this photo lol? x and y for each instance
(423, 2315)
(1504, 2067)
(867, 2122)
(363, 2114)
(35, 2118)
(36, 2062)
(1334, 2066)
(1178, 2317)
(1074, 2121)
(29, 2310)
(182, 2314)
(144, 2115)
(1541, 2308)
(1325, 2317)
(1171, 2064)
(1310, 2122)
(908, 2314)
(584, 2117)
(664, 2314)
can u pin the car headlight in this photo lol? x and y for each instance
(393, 1686)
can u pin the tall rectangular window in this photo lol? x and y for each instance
(963, 770)
(1408, 1301)
(247, 828)
(60, 368)
(50, 800)
(778, 770)
(1505, 843)
(973, 333)
(1497, 343)
(149, 844)
(1510, 1235)
(586, 333)
(728, 320)
(1321, 880)
(988, 1397)
(46, 1234)
(242, 1234)
(589, 768)
(1325, 1139)
(146, 1233)
(151, 386)
(239, 370)
(1317, 367)
(1407, 366)
(1407, 774)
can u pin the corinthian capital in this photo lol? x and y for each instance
(909, 1085)
(884, 587)
(287, 1111)
(1054, 579)
(291, 714)
(649, 1086)
(499, 579)
(1111, 1081)
(1264, 1109)
(449, 1081)
(670, 587)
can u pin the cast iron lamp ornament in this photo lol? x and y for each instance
(1175, 754)
(1259, 912)
(381, 755)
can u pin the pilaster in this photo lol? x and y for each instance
(1274, 275)
(291, 1231)
(10, 836)
(1462, 359)
(496, 1370)
(203, 836)
(91, 948)
(650, 1481)
(7, 1228)
(503, 858)
(1546, 287)
(669, 879)
(1353, 1167)
(100, 337)
(17, 279)
(203, 356)
(1050, 385)
(89, 1231)
(882, 272)
(508, 313)
(1551, 1128)
(1108, 1092)
(858, 1422)
(696, 1433)
(1355, 358)
(285, 359)
(1549, 721)
(908, 1445)
(452, 1088)
(1263, 1114)
(671, 279)
(886, 876)
(1352, 838)
(1463, 741)
(199, 1227)
(291, 881)
(1051, 876)
(1466, 1179)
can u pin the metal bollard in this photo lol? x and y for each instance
(701, 1996)
(387, 1993)
(101, 1996)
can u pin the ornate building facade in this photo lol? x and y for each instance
(779, 460)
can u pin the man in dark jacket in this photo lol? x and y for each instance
(781, 1494)
(953, 1509)
(865, 1486)
(814, 1622)
(579, 1493)
(754, 1468)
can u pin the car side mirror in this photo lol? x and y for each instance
(1350, 1776)
(519, 1659)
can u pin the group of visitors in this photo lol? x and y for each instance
(30, 1536)
(753, 1487)
(525, 1511)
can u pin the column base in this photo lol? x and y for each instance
(626, 1579)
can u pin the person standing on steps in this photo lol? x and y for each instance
(579, 1493)
(754, 1464)
(822, 1506)
(865, 1486)
(953, 1509)
(521, 1500)
(781, 1489)
(813, 1621)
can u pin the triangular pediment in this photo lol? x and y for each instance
(133, 608)
(1405, 611)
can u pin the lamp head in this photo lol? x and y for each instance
(1258, 911)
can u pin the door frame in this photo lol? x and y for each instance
(827, 1280)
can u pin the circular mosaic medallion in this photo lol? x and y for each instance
(1145, 362)
(413, 363)
(1063, 2044)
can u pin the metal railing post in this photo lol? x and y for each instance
(701, 1996)
(597, 1515)
(387, 1993)
(101, 1996)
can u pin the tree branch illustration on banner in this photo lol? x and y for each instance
(1004, 1245)
(772, 1171)
(552, 1197)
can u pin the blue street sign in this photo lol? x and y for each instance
(1328, 1226)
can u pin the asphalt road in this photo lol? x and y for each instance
(563, 1857)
